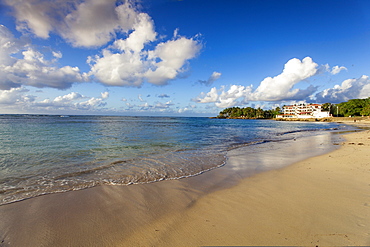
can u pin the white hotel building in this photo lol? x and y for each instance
(303, 111)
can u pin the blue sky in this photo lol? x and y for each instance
(180, 58)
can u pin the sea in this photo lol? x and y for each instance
(44, 154)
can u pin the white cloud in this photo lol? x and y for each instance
(68, 98)
(349, 89)
(21, 64)
(142, 34)
(365, 91)
(15, 96)
(160, 105)
(145, 106)
(188, 109)
(275, 88)
(57, 54)
(8, 46)
(18, 100)
(173, 55)
(140, 98)
(336, 69)
(240, 95)
(35, 70)
(131, 66)
(229, 98)
(182, 110)
(94, 22)
(125, 68)
(31, 16)
(91, 104)
(87, 23)
(214, 77)
(210, 97)
(105, 95)
(118, 69)
(280, 86)
(91, 23)
(226, 98)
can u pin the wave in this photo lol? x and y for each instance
(83, 152)
(306, 130)
(172, 165)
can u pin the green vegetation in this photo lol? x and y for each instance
(353, 107)
(248, 113)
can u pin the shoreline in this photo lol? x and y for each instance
(172, 212)
(323, 200)
(354, 119)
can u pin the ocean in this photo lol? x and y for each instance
(43, 154)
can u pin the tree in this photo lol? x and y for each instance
(326, 106)
(259, 113)
(365, 111)
(249, 112)
(353, 107)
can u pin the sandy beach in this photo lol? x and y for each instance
(322, 200)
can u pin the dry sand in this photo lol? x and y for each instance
(324, 200)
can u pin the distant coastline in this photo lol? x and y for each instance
(329, 119)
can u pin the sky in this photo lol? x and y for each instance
(180, 57)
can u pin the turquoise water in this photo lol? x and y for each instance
(49, 154)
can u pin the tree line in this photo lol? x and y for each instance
(353, 107)
(248, 113)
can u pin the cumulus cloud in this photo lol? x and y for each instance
(31, 16)
(229, 98)
(15, 96)
(105, 95)
(21, 64)
(189, 108)
(34, 70)
(68, 98)
(92, 23)
(214, 77)
(127, 63)
(72, 102)
(155, 107)
(336, 69)
(225, 98)
(90, 104)
(160, 105)
(95, 22)
(87, 23)
(8, 46)
(281, 86)
(18, 99)
(172, 56)
(349, 89)
(275, 88)
(210, 97)
(142, 34)
(132, 67)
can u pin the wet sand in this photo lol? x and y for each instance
(324, 200)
